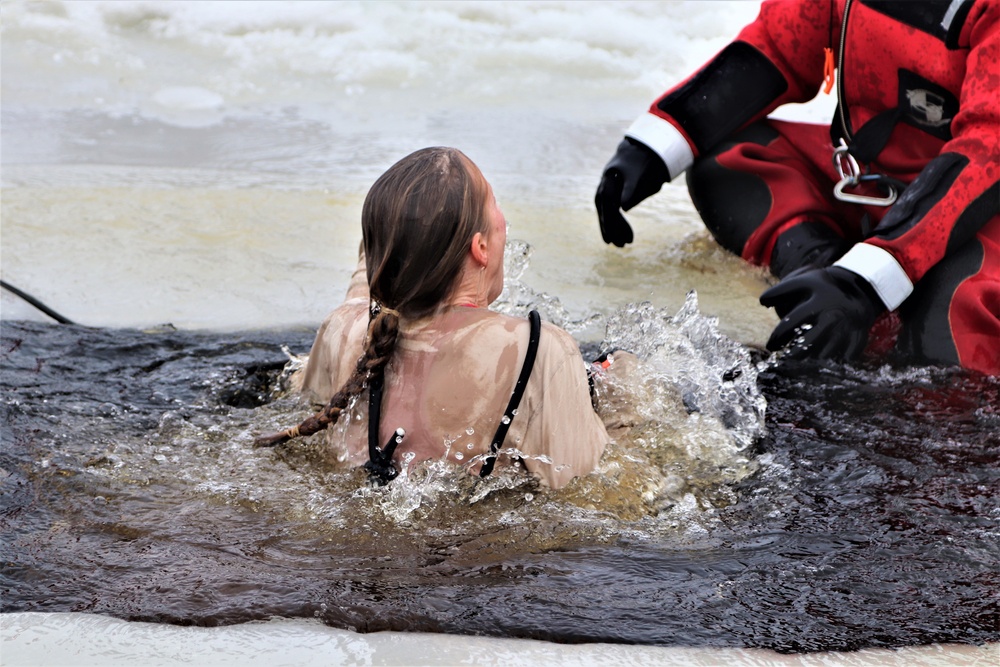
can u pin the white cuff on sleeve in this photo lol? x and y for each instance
(881, 270)
(665, 141)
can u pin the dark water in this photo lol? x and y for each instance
(871, 516)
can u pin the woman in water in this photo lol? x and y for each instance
(442, 375)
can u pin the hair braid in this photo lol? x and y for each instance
(383, 331)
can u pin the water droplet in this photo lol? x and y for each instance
(399, 438)
(470, 431)
(459, 456)
(469, 446)
(506, 419)
(513, 413)
(529, 497)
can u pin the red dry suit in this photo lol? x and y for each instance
(918, 86)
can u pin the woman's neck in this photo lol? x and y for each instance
(470, 291)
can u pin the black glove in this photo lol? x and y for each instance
(634, 173)
(839, 305)
(808, 243)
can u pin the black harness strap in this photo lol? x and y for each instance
(379, 466)
(515, 399)
(868, 142)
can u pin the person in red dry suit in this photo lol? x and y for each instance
(894, 207)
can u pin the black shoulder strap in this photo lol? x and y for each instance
(379, 466)
(515, 399)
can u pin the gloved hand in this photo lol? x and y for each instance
(634, 173)
(808, 243)
(838, 305)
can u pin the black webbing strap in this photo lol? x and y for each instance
(515, 399)
(866, 145)
(379, 466)
(868, 142)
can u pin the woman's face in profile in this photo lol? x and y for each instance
(496, 242)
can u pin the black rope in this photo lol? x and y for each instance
(36, 303)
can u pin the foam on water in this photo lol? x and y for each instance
(308, 88)
(307, 54)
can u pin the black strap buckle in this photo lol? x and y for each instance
(380, 467)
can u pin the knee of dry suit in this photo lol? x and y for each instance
(732, 203)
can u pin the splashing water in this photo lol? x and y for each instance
(715, 375)
(699, 411)
(518, 298)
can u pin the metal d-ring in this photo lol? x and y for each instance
(850, 176)
(838, 192)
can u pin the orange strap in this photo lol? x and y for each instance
(828, 70)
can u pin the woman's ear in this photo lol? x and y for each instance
(479, 249)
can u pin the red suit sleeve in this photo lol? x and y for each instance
(777, 59)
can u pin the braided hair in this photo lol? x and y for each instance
(417, 223)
